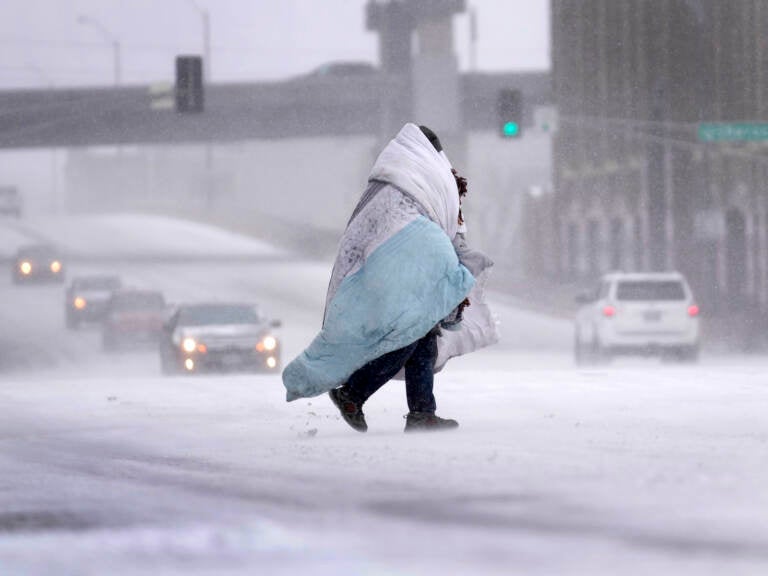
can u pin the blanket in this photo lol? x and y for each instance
(397, 272)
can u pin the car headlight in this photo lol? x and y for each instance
(267, 343)
(189, 345)
(80, 303)
(55, 266)
(25, 267)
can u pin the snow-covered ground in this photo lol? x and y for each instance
(108, 468)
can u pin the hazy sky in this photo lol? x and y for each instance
(41, 41)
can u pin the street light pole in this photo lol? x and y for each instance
(207, 45)
(206, 22)
(110, 38)
(54, 157)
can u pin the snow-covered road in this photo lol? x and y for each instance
(108, 468)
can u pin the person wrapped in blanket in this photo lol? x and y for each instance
(406, 292)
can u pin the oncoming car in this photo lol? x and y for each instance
(645, 314)
(38, 263)
(87, 298)
(133, 317)
(219, 337)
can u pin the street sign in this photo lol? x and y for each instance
(733, 132)
(161, 96)
(545, 118)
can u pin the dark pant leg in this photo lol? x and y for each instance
(420, 375)
(368, 379)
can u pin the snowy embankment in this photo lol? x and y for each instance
(13, 236)
(134, 235)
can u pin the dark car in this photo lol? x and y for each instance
(133, 317)
(344, 70)
(87, 298)
(38, 263)
(219, 337)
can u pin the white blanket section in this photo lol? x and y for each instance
(478, 329)
(412, 164)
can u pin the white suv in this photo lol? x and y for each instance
(637, 314)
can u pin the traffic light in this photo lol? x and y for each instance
(189, 84)
(510, 113)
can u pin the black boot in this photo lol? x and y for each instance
(427, 422)
(351, 411)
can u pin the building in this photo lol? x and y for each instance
(635, 188)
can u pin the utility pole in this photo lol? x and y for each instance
(472, 39)
(116, 57)
(206, 26)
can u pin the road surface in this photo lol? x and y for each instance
(107, 467)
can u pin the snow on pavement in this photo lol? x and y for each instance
(636, 468)
(553, 471)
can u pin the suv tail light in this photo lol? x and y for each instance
(609, 311)
(693, 310)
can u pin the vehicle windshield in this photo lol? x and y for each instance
(139, 301)
(653, 290)
(218, 314)
(105, 283)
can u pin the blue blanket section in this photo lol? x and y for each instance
(406, 286)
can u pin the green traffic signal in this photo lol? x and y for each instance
(511, 129)
(509, 113)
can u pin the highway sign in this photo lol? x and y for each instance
(723, 132)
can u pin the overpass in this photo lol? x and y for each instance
(305, 106)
